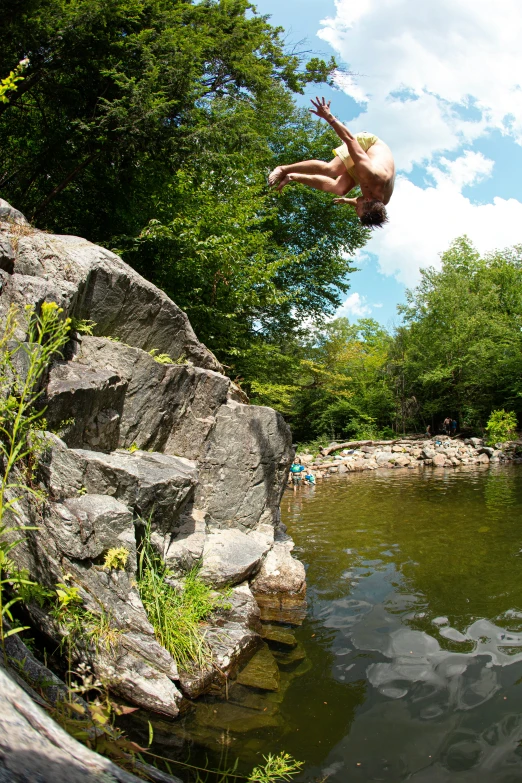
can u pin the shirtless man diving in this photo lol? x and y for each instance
(362, 159)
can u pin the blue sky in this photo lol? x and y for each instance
(440, 81)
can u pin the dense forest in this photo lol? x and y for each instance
(149, 126)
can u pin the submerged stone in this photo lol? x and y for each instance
(234, 717)
(290, 657)
(278, 634)
(261, 671)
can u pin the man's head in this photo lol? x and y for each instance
(371, 212)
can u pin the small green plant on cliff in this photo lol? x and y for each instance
(176, 614)
(79, 624)
(501, 426)
(22, 366)
(116, 558)
(82, 326)
(161, 358)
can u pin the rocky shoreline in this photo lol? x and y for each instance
(440, 451)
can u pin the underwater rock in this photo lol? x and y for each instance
(279, 634)
(261, 671)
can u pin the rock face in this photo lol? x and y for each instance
(174, 443)
(90, 282)
(280, 585)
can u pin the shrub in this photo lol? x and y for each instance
(501, 426)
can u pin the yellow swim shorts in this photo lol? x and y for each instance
(366, 140)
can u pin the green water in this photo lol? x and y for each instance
(413, 638)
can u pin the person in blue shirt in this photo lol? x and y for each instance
(296, 471)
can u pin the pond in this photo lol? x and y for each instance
(408, 666)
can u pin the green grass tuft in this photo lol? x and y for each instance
(176, 615)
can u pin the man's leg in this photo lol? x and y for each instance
(339, 186)
(333, 168)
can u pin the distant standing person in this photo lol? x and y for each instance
(447, 425)
(453, 427)
(362, 159)
(296, 471)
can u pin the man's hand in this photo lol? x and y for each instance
(321, 109)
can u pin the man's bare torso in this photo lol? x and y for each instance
(377, 181)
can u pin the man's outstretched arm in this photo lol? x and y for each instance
(357, 154)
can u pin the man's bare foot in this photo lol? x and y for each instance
(274, 177)
(285, 181)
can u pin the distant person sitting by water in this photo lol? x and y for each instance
(363, 159)
(428, 431)
(296, 471)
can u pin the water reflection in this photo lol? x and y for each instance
(499, 493)
(409, 663)
(420, 580)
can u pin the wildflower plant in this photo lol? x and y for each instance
(22, 368)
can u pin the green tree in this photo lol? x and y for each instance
(334, 383)
(149, 126)
(460, 352)
(118, 93)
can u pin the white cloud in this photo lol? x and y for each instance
(469, 169)
(448, 54)
(355, 305)
(377, 304)
(424, 221)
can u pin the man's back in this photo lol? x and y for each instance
(379, 181)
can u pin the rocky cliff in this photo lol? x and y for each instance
(176, 443)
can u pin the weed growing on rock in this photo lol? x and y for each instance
(161, 358)
(82, 326)
(22, 366)
(116, 558)
(78, 623)
(176, 614)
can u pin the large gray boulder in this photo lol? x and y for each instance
(87, 526)
(230, 556)
(149, 483)
(162, 407)
(89, 400)
(90, 282)
(243, 471)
